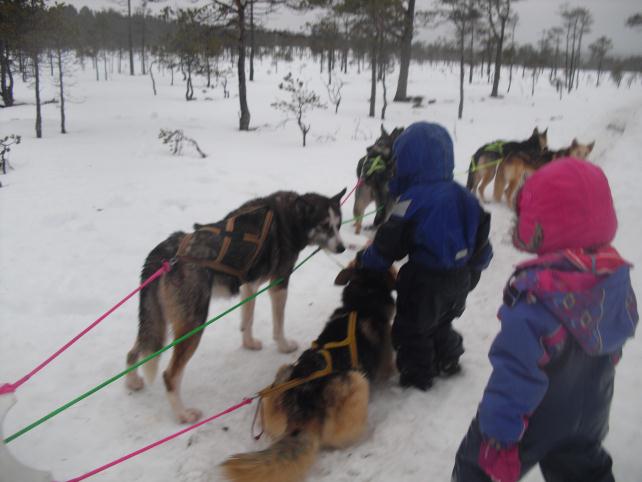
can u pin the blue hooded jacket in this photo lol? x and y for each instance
(536, 327)
(436, 221)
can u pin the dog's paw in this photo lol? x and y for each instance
(252, 344)
(134, 382)
(189, 415)
(287, 346)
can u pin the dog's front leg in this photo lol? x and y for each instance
(247, 317)
(278, 296)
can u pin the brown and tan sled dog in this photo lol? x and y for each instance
(518, 165)
(321, 401)
(484, 163)
(256, 243)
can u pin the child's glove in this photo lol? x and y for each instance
(500, 464)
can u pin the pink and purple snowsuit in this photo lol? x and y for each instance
(565, 318)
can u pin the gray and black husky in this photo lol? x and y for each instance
(258, 242)
(374, 171)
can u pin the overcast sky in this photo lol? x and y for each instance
(534, 16)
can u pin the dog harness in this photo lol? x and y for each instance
(496, 147)
(376, 164)
(235, 244)
(349, 343)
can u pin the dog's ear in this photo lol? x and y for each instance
(545, 133)
(591, 146)
(383, 131)
(337, 197)
(344, 276)
(574, 143)
(535, 133)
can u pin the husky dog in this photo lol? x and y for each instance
(518, 165)
(485, 162)
(258, 242)
(304, 412)
(374, 171)
(576, 150)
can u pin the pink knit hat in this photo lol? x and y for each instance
(566, 204)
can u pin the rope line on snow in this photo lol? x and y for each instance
(233, 408)
(111, 380)
(12, 387)
(187, 335)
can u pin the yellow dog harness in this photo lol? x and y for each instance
(349, 342)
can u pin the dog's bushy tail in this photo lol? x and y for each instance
(152, 326)
(287, 460)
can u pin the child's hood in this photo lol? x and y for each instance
(565, 204)
(590, 295)
(424, 154)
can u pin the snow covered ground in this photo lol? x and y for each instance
(79, 213)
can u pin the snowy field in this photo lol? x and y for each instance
(80, 212)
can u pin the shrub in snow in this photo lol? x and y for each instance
(175, 140)
(300, 102)
(334, 93)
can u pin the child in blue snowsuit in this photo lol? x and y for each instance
(444, 231)
(566, 315)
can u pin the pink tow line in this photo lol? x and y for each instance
(12, 387)
(359, 183)
(245, 402)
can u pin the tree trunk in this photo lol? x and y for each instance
(566, 54)
(130, 41)
(63, 130)
(462, 36)
(571, 77)
(385, 96)
(578, 62)
(36, 69)
(252, 44)
(534, 76)
(105, 63)
(471, 52)
(6, 88)
(488, 60)
(244, 120)
(189, 92)
(151, 74)
(406, 50)
(599, 71)
(498, 58)
(373, 80)
(142, 48)
(209, 70)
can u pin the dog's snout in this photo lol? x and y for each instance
(341, 248)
